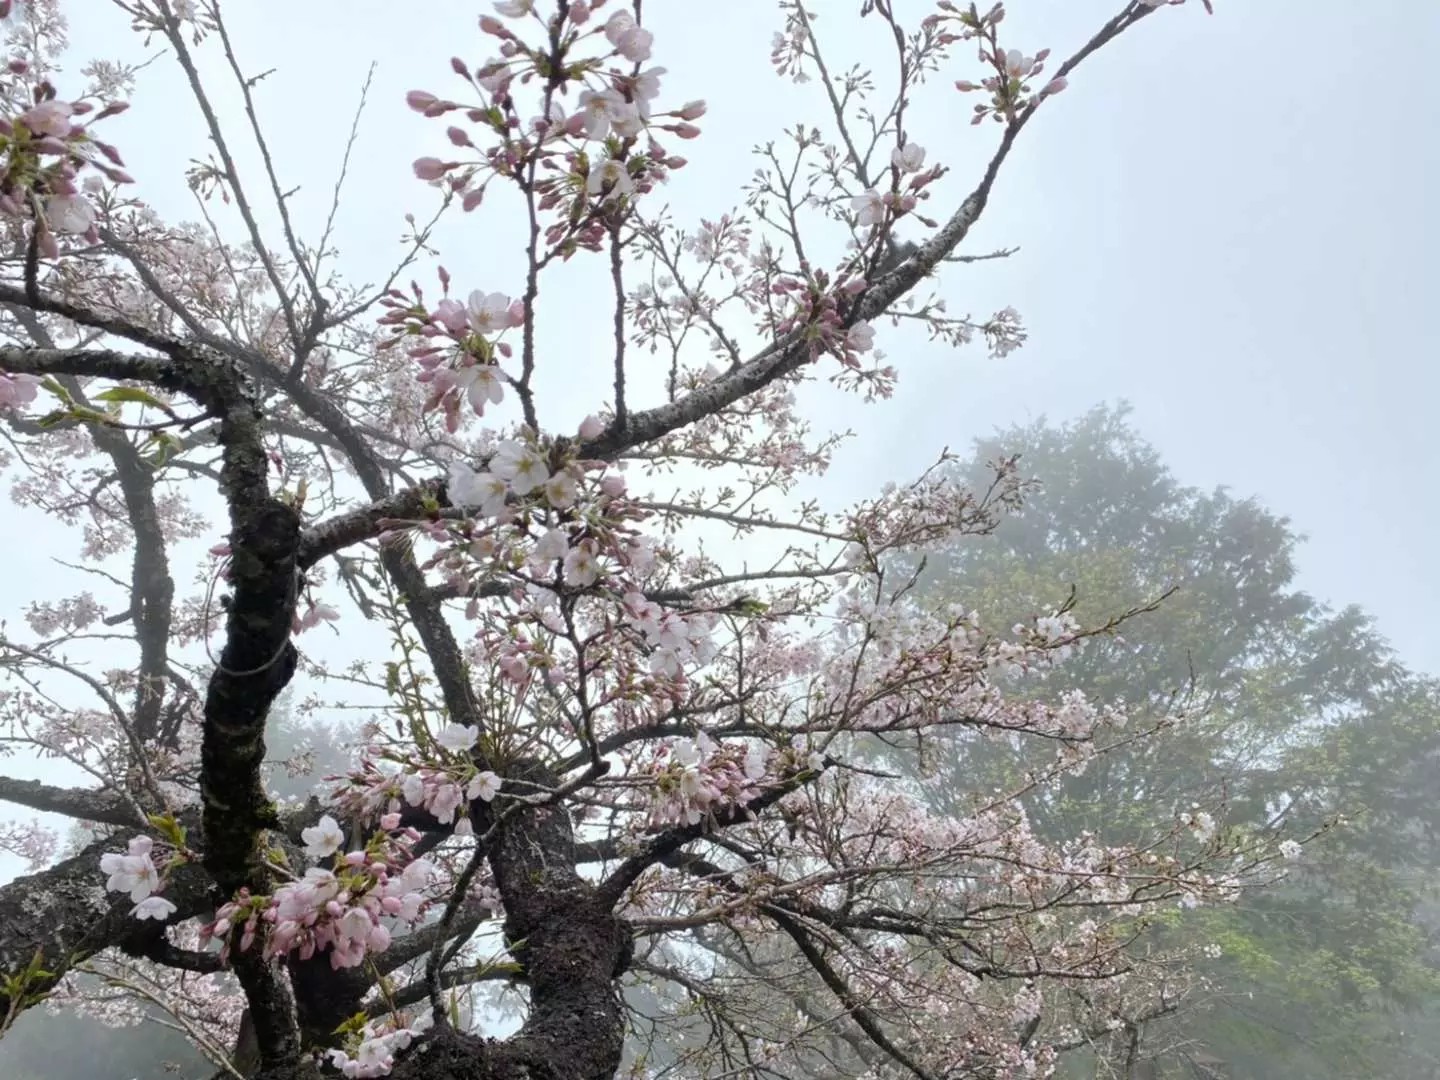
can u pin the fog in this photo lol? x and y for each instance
(1224, 250)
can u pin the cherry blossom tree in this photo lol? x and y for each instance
(615, 776)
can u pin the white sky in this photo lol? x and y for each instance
(1227, 221)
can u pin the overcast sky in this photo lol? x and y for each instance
(1226, 220)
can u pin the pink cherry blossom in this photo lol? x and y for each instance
(908, 158)
(153, 907)
(69, 214)
(483, 491)
(492, 312)
(429, 168)
(16, 390)
(324, 838)
(582, 567)
(610, 177)
(629, 39)
(49, 118)
(860, 337)
(485, 786)
(457, 738)
(869, 208)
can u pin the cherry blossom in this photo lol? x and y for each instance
(485, 786)
(582, 566)
(134, 872)
(610, 177)
(908, 158)
(373, 1053)
(603, 109)
(630, 40)
(480, 383)
(861, 337)
(483, 491)
(520, 465)
(869, 207)
(51, 117)
(16, 390)
(457, 738)
(153, 907)
(315, 614)
(492, 312)
(324, 838)
(70, 214)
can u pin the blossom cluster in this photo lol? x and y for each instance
(341, 910)
(373, 1052)
(1010, 86)
(445, 783)
(595, 148)
(135, 872)
(42, 152)
(695, 777)
(45, 143)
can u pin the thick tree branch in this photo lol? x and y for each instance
(102, 807)
(64, 915)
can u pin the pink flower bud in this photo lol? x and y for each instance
(685, 131)
(390, 822)
(420, 100)
(591, 427)
(429, 168)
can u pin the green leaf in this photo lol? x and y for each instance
(135, 394)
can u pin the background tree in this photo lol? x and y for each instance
(601, 746)
(1297, 716)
